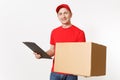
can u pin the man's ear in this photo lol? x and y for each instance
(71, 15)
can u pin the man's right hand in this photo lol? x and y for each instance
(38, 56)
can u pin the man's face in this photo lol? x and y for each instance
(64, 16)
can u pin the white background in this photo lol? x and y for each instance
(33, 20)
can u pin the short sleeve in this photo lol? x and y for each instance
(52, 42)
(81, 37)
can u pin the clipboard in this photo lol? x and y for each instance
(35, 48)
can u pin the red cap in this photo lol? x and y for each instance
(63, 6)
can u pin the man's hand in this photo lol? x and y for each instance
(38, 56)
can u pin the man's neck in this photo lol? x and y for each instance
(66, 25)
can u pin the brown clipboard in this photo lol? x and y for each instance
(35, 48)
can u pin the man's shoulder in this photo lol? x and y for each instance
(77, 28)
(56, 29)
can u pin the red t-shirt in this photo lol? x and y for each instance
(71, 34)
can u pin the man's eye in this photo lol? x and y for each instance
(60, 14)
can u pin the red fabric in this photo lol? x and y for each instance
(71, 34)
(63, 6)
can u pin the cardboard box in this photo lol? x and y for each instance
(80, 58)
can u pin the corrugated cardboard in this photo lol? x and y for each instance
(80, 58)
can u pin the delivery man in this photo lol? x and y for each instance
(66, 32)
